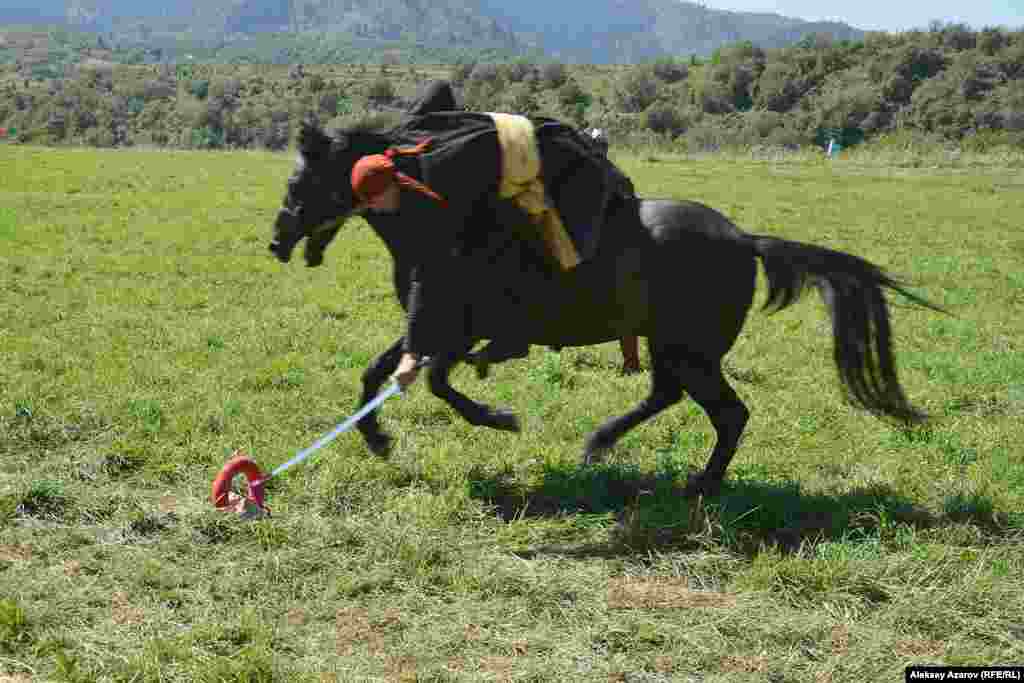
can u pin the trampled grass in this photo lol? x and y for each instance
(146, 333)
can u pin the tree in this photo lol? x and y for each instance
(553, 74)
(991, 41)
(669, 70)
(779, 88)
(662, 118)
(518, 70)
(635, 90)
(199, 88)
(460, 72)
(380, 92)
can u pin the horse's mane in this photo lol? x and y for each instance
(375, 124)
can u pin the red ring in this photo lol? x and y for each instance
(238, 464)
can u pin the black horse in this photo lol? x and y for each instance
(678, 273)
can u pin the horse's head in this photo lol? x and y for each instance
(319, 197)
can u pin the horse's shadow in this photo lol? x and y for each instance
(653, 513)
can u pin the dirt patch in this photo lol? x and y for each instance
(401, 669)
(15, 553)
(501, 668)
(15, 678)
(355, 626)
(630, 593)
(840, 639)
(919, 647)
(123, 612)
(751, 664)
(664, 664)
(296, 617)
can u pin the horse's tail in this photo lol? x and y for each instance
(852, 288)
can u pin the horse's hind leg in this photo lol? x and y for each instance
(630, 355)
(474, 413)
(666, 390)
(373, 379)
(704, 381)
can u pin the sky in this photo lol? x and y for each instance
(887, 15)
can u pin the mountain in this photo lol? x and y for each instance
(591, 31)
(628, 31)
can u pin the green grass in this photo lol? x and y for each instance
(147, 334)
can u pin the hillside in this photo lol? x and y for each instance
(948, 85)
(616, 31)
(581, 31)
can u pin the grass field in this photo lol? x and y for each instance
(146, 333)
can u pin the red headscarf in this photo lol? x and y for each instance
(374, 173)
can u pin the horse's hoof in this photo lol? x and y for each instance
(379, 444)
(629, 369)
(505, 420)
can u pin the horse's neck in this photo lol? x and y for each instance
(398, 239)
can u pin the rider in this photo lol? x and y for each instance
(460, 168)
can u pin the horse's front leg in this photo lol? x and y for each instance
(373, 379)
(475, 413)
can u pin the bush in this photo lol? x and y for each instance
(523, 102)
(479, 96)
(707, 137)
(715, 98)
(938, 106)
(779, 87)
(327, 104)
(846, 105)
(57, 125)
(553, 75)
(785, 137)
(666, 120)
(741, 77)
(199, 88)
(1013, 120)
(918, 64)
(875, 122)
(959, 37)
(571, 94)
(315, 83)
(460, 73)
(518, 71)
(669, 70)
(987, 141)
(764, 122)
(227, 88)
(158, 89)
(380, 91)
(100, 137)
(991, 41)
(277, 136)
(486, 73)
(635, 90)
(976, 79)
(206, 138)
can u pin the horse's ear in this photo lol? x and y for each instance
(314, 144)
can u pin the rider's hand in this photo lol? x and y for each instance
(407, 370)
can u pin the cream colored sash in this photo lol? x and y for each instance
(521, 182)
